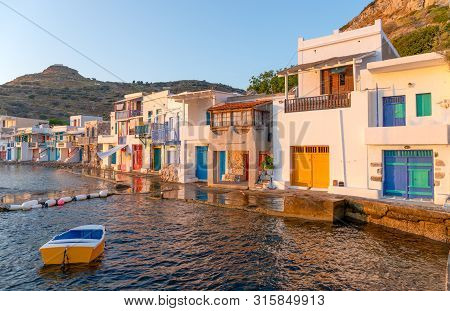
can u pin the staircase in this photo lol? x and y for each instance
(74, 156)
(43, 155)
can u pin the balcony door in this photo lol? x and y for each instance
(336, 80)
(394, 111)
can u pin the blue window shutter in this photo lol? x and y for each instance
(208, 118)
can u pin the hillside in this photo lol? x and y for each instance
(60, 91)
(413, 26)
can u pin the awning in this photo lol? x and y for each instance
(239, 105)
(330, 62)
(110, 152)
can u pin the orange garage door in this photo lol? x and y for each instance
(310, 166)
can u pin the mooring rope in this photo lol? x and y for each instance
(64, 265)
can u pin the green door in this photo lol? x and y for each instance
(157, 159)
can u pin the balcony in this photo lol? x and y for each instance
(64, 144)
(438, 134)
(121, 115)
(107, 139)
(10, 145)
(220, 124)
(322, 102)
(32, 145)
(122, 140)
(86, 140)
(162, 134)
(142, 130)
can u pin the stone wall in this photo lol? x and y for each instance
(170, 173)
(430, 223)
(236, 165)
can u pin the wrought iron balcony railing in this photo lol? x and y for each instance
(120, 115)
(142, 130)
(161, 133)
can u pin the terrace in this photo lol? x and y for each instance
(322, 102)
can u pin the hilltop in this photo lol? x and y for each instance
(413, 26)
(60, 91)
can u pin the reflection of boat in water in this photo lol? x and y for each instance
(79, 245)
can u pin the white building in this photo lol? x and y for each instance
(408, 135)
(8, 128)
(64, 147)
(80, 120)
(318, 137)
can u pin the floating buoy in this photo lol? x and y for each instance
(50, 203)
(30, 203)
(80, 197)
(60, 202)
(103, 193)
(14, 207)
(66, 199)
(93, 195)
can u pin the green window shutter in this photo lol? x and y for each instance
(399, 110)
(423, 105)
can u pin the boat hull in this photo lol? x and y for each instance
(74, 254)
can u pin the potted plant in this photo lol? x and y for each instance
(267, 165)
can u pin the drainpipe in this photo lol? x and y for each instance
(376, 103)
(344, 164)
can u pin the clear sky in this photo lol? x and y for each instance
(223, 41)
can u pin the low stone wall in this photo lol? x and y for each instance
(430, 223)
(324, 209)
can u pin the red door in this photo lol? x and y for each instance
(137, 157)
(245, 155)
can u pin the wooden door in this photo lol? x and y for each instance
(137, 157)
(310, 166)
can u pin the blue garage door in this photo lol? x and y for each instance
(408, 173)
(201, 158)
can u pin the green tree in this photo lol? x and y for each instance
(55, 121)
(418, 41)
(269, 83)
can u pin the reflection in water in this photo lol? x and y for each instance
(22, 183)
(170, 244)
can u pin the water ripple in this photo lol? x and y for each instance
(173, 245)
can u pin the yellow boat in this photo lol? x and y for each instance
(78, 245)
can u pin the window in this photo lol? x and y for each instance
(208, 118)
(342, 79)
(221, 119)
(149, 116)
(246, 117)
(423, 105)
(158, 115)
(237, 118)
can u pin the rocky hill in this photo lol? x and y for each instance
(414, 26)
(60, 91)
